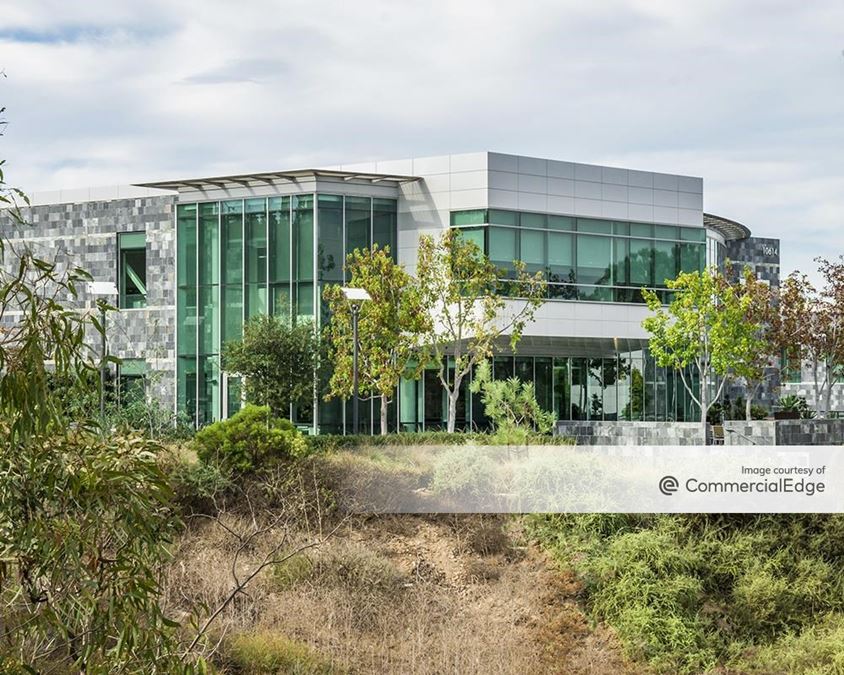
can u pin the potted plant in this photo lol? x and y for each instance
(790, 407)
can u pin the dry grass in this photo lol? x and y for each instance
(396, 594)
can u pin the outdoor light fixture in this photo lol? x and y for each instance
(101, 290)
(356, 297)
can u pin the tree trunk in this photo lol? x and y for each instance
(384, 406)
(827, 400)
(748, 405)
(452, 409)
(704, 406)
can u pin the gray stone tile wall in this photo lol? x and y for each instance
(84, 234)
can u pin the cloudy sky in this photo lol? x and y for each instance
(747, 94)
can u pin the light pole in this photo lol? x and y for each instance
(101, 290)
(356, 297)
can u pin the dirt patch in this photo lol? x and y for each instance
(416, 594)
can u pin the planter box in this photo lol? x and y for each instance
(787, 415)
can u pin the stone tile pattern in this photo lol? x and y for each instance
(631, 433)
(761, 432)
(84, 234)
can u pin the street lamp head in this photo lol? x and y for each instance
(355, 295)
(102, 288)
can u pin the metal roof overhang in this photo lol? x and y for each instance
(729, 229)
(274, 178)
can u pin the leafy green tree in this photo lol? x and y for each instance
(277, 360)
(809, 325)
(705, 328)
(466, 296)
(389, 328)
(511, 403)
(85, 521)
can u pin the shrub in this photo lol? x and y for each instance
(196, 484)
(689, 592)
(464, 472)
(267, 653)
(335, 442)
(249, 440)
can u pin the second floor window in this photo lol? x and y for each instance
(132, 269)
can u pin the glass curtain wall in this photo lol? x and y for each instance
(624, 386)
(243, 257)
(586, 258)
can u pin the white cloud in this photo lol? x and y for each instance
(748, 95)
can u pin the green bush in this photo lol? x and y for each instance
(463, 472)
(268, 653)
(335, 442)
(249, 440)
(691, 592)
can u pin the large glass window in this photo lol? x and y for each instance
(279, 235)
(132, 270)
(385, 224)
(502, 246)
(594, 260)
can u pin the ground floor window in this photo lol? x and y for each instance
(131, 381)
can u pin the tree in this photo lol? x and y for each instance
(389, 327)
(277, 360)
(809, 325)
(511, 403)
(761, 306)
(466, 297)
(85, 521)
(705, 328)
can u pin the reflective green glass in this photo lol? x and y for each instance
(303, 238)
(561, 223)
(256, 300)
(209, 243)
(209, 315)
(594, 226)
(186, 320)
(385, 224)
(621, 257)
(560, 250)
(693, 234)
(502, 246)
(533, 249)
(504, 217)
(232, 317)
(279, 231)
(256, 241)
(473, 217)
(280, 303)
(186, 385)
(640, 262)
(186, 236)
(231, 224)
(330, 252)
(621, 228)
(132, 269)
(665, 262)
(209, 390)
(562, 388)
(665, 232)
(358, 223)
(641, 229)
(477, 235)
(692, 257)
(594, 259)
(534, 220)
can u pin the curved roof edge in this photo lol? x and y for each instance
(729, 229)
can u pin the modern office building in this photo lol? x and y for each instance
(194, 258)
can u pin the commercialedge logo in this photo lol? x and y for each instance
(779, 485)
(668, 485)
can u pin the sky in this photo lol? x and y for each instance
(748, 94)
